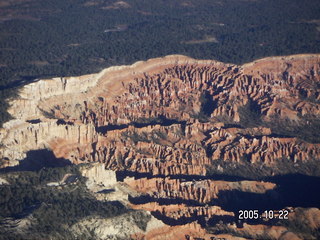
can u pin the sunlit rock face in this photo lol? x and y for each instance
(145, 117)
(166, 121)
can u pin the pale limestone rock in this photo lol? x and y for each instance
(3, 181)
(119, 227)
(98, 175)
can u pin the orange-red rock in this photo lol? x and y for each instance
(171, 117)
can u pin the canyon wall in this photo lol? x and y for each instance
(168, 120)
(149, 117)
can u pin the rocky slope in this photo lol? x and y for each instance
(175, 120)
(98, 117)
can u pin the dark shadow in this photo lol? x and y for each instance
(142, 199)
(216, 219)
(63, 122)
(236, 200)
(161, 120)
(207, 103)
(28, 210)
(293, 190)
(231, 125)
(106, 191)
(297, 190)
(175, 222)
(212, 177)
(37, 159)
(194, 218)
(110, 127)
(23, 80)
(121, 175)
(34, 121)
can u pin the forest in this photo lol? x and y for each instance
(53, 209)
(42, 39)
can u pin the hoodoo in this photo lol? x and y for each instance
(171, 115)
(173, 123)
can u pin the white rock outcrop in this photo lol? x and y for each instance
(98, 175)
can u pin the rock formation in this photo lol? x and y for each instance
(97, 174)
(112, 117)
(172, 118)
(201, 191)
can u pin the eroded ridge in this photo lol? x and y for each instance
(175, 119)
(168, 115)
